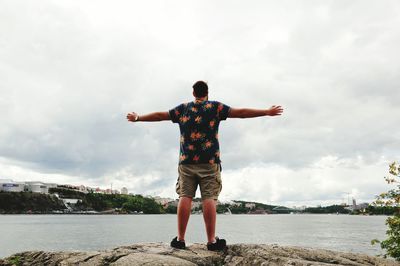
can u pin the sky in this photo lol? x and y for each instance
(70, 71)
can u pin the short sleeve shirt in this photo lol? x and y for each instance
(198, 124)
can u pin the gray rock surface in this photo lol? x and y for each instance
(196, 254)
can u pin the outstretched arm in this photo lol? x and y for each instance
(248, 113)
(152, 117)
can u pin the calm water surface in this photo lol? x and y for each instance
(96, 232)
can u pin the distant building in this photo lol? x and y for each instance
(282, 209)
(234, 203)
(249, 205)
(37, 186)
(98, 190)
(83, 189)
(359, 207)
(11, 186)
(363, 206)
(354, 203)
(196, 204)
(29, 186)
(299, 208)
(173, 203)
(70, 201)
(163, 201)
(124, 191)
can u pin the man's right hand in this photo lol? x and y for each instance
(132, 117)
(275, 110)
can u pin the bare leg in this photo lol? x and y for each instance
(184, 210)
(210, 218)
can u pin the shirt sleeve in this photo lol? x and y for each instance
(223, 111)
(175, 113)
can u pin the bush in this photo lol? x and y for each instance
(391, 198)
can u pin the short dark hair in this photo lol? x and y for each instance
(200, 89)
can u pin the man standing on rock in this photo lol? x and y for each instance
(199, 159)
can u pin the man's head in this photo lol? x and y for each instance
(200, 89)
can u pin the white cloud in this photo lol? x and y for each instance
(69, 72)
(329, 180)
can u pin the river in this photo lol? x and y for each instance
(95, 232)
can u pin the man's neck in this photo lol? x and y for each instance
(198, 100)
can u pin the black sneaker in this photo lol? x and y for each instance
(220, 244)
(175, 243)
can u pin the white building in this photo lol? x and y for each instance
(70, 201)
(83, 189)
(162, 201)
(50, 185)
(11, 186)
(37, 186)
(250, 205)
(234, 203)
(124, 191)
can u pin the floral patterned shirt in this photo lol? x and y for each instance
(198, 123)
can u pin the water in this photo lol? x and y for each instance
(96, 232)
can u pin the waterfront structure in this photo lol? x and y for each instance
(11, 186)
(38, 187)
(29, 186)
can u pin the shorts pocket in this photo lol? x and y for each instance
(219, 184)
(178, 186)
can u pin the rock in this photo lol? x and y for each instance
(197, 254)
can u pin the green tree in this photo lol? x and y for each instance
(391, 198)
(150, 206)
(171, 209)
(133, 204)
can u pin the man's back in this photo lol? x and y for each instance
(199, 155)
(198, 123)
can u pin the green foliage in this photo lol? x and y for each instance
(150, 206)
(67, 193)
(15, 260)
(381, 210)
(133, 204)
(130, 203)
(391, 198)
(328, 209)
(222, 208)
(22, 202)
(171, 209)
(392, 243)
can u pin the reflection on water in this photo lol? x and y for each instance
(94, 232)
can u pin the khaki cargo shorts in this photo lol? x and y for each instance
(207, 176)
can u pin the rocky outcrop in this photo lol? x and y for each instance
(196, 254)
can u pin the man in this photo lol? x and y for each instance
(199, 160)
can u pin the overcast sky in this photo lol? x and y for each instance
(71, 70)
